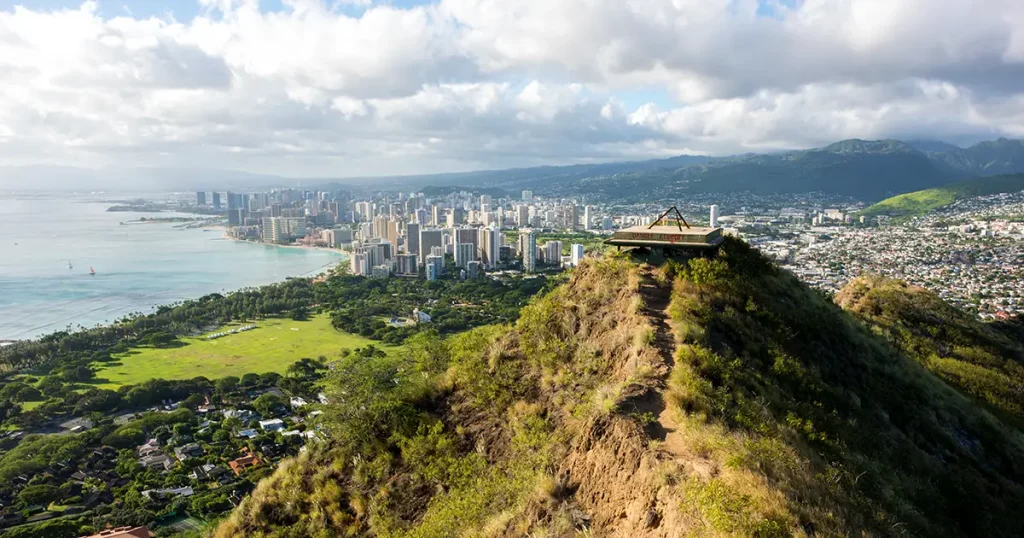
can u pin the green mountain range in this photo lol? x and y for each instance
(712, 396)
(924, 201)
(863, 169)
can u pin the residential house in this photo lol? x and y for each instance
(239, 465)
(157, 461)
(207, 471)
(191, 450)
(273, 425)
(152, 446)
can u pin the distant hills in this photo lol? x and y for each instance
(923, 201)
(868, 170)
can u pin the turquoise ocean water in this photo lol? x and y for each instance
(138, 266)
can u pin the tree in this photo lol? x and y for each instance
(221, 436)
(193, 401)
(226, 385)
(125, 437)
(29, 394)
(182, 429)
(41, 494)
(78, 373)
(267, 403)
(250, 380)
(269, 379)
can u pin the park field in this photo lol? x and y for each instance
(272, 347)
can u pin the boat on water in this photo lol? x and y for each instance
(92, 272)
(69, 265)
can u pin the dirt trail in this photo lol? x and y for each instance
(666, 428)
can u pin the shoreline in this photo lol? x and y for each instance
(225, 235)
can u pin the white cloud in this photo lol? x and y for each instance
(319, 88)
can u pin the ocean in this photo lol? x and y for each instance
(138, 266)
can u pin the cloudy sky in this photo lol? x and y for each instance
(336, 88)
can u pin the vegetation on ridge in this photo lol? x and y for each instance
(711, 396)
(918, 203)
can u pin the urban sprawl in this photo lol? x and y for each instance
(971, 253)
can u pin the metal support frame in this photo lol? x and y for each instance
(679, 218)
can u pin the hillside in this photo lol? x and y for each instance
(989, 158)
(983, 360)
(927, 200)
(709, 397)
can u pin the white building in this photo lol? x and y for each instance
(553, 252)
(528, 249)
(464, 253)
(714, 216)
(576, 251)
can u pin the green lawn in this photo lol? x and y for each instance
(28, 406)
(272, 347)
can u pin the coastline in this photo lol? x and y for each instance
(343, 256)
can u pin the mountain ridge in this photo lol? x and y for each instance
(870, 170)
(706, 397)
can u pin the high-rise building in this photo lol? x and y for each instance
(474, 269)
(434, 266)
(272, 229)
(412, 238)
(576, 252)
(528, 250)
(714, 216)
(586, 217)
(216, 200)
(522, 215)
(553, 252)
(464, 253)
(360, 265)
(408, 264)
(490, 242)
(572, 215)
(527, 196)
(485, 200)
(200, 198)
(455, 217)
(467, 235)
(606, 223)
(435, 215)
(429, 240)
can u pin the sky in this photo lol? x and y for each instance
(349, 88)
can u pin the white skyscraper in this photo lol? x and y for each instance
(490, 242)
(714, 216)
(522, 216)
(576, 250)
(464, 253)
(586, 217)
(528, 248)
